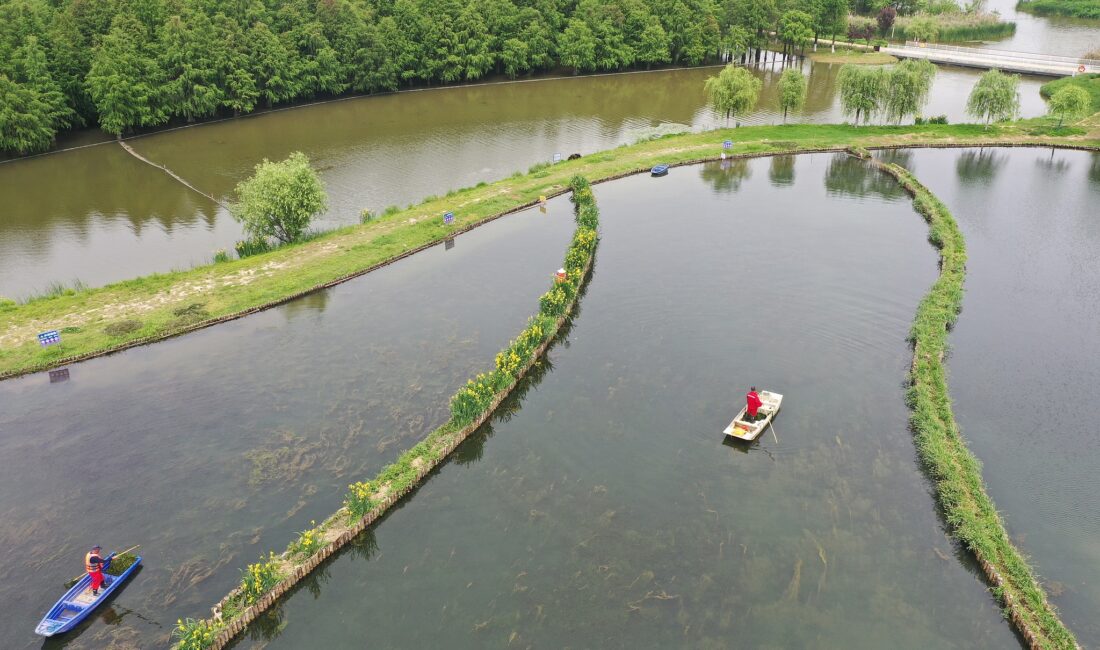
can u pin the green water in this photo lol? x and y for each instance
(604, 510)
(98, 216)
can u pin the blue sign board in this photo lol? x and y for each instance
(51, 337)
(728, 144)
(448, 218)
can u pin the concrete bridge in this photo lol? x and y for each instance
(1003, 60)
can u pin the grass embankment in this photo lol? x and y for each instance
(952, 27)
(855, 57)
(134, 312)
(264, 582)
(1074, 8)
(1090, 82)
(956, 472)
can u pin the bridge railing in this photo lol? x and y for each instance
(1005, 54)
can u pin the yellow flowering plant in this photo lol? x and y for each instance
(259, 578)
(308, 542)
(358, 499)
(195, 635)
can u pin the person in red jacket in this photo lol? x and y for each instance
(753, 404)
(94, 565)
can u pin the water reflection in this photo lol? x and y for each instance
(847, 176)
(1094, 169)
(726, 176)
(311, 303)
(978, 166)
(781, 171)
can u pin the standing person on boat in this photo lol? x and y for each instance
(94, 564)
(752, 404)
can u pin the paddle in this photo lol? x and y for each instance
(70, 583)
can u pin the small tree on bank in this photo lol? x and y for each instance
(792, 91)
(280, 199)
(863, 90)
(995, 98)
(907, 86)
(733, 92)
(1070, 102)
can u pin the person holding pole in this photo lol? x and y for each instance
(94, 565)
(752, 405)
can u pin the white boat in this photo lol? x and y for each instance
(740, 429)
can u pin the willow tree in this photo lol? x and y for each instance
(907, 86)
(733, 92)
(995, 98)
(863, 90)
(792, 91)
(1071, 102)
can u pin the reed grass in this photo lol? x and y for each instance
(1089, 9)
(959, 26)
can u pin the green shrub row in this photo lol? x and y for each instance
(469, 404)
(969, 511)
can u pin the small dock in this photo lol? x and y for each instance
(1003, 60)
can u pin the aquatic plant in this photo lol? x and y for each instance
(221, 256)
(249, 247)
(309, 541)
(259, 578)
(358, 499)
(194, 634)
(120, 563)
(969, 511)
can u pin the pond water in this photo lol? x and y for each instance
(1045, 35)
(98, 215)
(605, 510)
(212, 448)
(1025, 360)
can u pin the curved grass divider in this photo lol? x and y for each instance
(170, 304)
(263, 583)
(969, 511)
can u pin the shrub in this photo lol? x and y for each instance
(122, 327)
(250, 247)
(358, 499)
(280, 199)
(939, 119)
(221, 256)
(259, 578)
(367, 216)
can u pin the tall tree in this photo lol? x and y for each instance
(795, 30)
(190, 72)
(577, 46)
(733, 91)
(831, 17)
(124, 80)
(907, 87)
(25, 125)
(33, 71)
(792, 91)
(995, 97)
(280, 199)
(653, 45)
(862, 90)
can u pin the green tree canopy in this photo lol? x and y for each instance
(995, 97)
(280, 199)
(1070, 102)
(792, 90)
(863, 90)
(734, 91)
(796, 29)
(125, 81)
(922, 28)
(907, 86)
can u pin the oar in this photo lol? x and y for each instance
(70, 583)
(772, 427)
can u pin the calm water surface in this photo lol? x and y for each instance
(97, 215)
(213, 448)
(1050, 35)
(1025, 361)
(605, 511)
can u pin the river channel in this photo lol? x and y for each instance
(98, 215)
(607, 512)
(1025, 361)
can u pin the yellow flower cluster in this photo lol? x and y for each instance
(195, 635)
(258, 579)
(509, 362)
(309, 541)
(358, 499)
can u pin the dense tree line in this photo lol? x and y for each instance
(124, 64)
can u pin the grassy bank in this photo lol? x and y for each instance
(264, 582)
(1090, 82)
(1074, 8)
(956, 472)
(140, 311)
(857, 57)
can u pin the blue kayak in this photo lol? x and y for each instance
(78, 602)
(659, 170)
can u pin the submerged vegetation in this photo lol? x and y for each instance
(969, 511)
(237, 287)
(366, 500)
